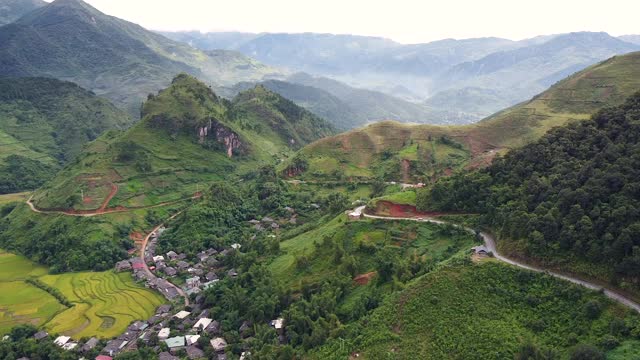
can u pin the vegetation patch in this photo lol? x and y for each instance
(485, 311)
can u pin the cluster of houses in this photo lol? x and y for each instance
(198, 275)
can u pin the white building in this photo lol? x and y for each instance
(61, 340)
(202, 323)
(182, 314)
(164, 333)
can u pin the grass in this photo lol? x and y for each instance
(629, 349)
(362, 239)
(12, 198)
(105, 303)
(407, 197)
(482, 311)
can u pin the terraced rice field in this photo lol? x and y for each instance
(105, 302)
(20, 302)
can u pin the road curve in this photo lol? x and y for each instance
(99, 212)
(490, 243)
(143, 248)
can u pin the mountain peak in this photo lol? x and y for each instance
(62, 9)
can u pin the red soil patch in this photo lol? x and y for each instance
(364, 279)
(136, 236)
(400, 210)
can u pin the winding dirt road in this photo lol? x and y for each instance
(103, 211)
(143, 249)
(490, 243)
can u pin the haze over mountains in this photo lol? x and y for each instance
(471, 78)
(70, 40)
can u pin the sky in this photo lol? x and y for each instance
(405, 21)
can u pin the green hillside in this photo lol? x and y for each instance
(188, 136)
(488, 311)
(45, 123)
(568, 200)
(70, 40)
(423, 152)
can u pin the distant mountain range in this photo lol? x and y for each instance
(70, 40)
(469, 78)
(12, 10)
(417, 153)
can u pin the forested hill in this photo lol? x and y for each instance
(71, 40)
(45, 123)
(570, 199)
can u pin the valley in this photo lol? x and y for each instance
(238, 196)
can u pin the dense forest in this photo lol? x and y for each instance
(572, 196)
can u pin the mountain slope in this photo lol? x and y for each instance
(423, 152)
(375, 106)
(569, 200)
(46, 123)
(11, 10)
(70, 40)
(188, 136)
(318, 101)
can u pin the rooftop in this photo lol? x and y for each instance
(182, 314)
(174, 342)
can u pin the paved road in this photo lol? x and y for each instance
(143, 248)
(490, 243)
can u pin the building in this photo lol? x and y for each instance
(218, 344)
(211, 276)
(40, 335)
(158, 258)
(123, 265)
(277, 324)
(61, 340)
(90, 344)
(170, 271)
(191, 339)
(236, 246)
(213, 328)
(164, 333)
(182, 314)
(166, 356)
(70, 346)
(194, 353)
(103, 357)
(481, 250)
(176, 342)
(193, 282)
(114, 346)
(182, 265)
(356, 214)
(202, 324)
(172, 255)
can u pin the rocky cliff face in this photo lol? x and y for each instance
(223, 135)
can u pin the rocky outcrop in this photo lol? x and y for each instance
(223, 135)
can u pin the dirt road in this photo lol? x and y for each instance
(143, 248)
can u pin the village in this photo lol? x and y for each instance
(177, 330)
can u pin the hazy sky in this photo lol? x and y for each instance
(406, 21)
